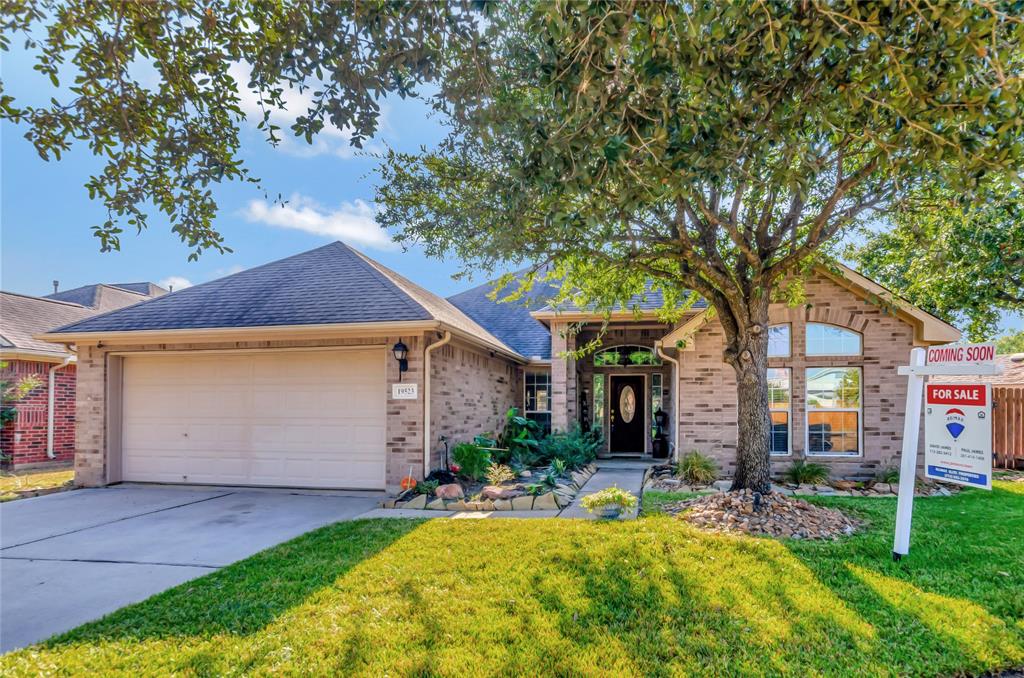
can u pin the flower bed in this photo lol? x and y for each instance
(519, 494)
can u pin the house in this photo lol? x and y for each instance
(327, 369)
(41, 428)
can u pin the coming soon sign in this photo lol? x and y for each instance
(958, 434)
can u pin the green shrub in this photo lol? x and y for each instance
(558, 467)
(521, 437)
(473, 460)
(427, 487)
(574, 448)
(889, 474)
(802, 473)
(697, 468)
(499, 473)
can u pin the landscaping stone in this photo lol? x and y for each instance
(486, 505)
(579, 478)
(524, 503)
(823, 489)
(882, 488)
(450, 491)
(526, 474)
(722, 485)
(495, 492)
(804, 490)
(546, 501)
(436, 505)
(782, 489)
(417, 502)
(772, 514)
(503, 505)
(388, 504)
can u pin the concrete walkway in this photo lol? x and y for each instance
(625, 474)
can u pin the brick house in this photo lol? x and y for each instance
(41, 428)
(327, 369)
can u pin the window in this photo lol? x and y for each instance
(657, 402)
(626, 356)
(538, 399)
(833, 411)
(778, 341)
(599, 402)
(779, 403)
(831, 340)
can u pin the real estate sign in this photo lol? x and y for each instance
(958, 434)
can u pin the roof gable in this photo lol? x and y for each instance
(510, 322)
(22, 317)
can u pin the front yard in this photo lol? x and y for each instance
(560, 597)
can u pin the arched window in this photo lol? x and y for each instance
(626, 356)
(831, 340)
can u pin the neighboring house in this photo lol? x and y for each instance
(42, 424)
(288, 375)
(1007, 408)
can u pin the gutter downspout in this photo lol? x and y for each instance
(51, 397)
(675, 398)
(426, 398)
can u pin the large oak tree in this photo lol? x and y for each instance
(707, 147)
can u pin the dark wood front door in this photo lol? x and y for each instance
(626, 413)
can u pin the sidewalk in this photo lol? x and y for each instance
(625, 474)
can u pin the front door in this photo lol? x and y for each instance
(627, 415)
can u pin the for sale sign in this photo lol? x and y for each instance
(969, 354)
(958, 434)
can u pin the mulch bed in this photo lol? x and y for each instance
(772, 514)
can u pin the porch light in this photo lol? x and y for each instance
(401, 352)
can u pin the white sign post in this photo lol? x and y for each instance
(949, 360)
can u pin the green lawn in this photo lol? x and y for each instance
(556, 597)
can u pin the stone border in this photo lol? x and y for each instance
(555, 500)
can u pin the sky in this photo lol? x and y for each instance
(46, 215)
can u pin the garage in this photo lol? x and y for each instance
(288, 418)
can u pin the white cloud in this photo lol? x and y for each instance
(176, 282)
(352, 222)
(330, 140)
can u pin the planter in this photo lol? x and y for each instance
(610, 511)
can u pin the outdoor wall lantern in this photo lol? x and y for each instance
(401, 352)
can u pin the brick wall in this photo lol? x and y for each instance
(404, 432)
(707, 386)
(23, 440)
(471, 392)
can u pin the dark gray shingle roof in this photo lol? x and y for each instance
(651, 300)
(328, 285)
(102, 297)
(510, 321)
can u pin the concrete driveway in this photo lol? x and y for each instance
(72, 557)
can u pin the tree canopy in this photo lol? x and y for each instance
(707, 148)
(962, 260)
(1010, 343)
(153, 88)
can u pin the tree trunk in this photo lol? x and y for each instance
(749, 357)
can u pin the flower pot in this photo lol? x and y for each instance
(609, 511)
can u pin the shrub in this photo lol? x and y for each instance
(473, 460)
(427, 487)
(607, 497)
(889, 474)
(499, 473)
(575, 448)
(557, 467)
(697, 468)
(802, 473)
(521, 437)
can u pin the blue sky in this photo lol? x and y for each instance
(46, 214)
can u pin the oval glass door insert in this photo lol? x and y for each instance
(627, 404)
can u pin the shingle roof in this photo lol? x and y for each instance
(1013, 373)
(22, 317)
(651, 300)
(332, 284)
(102, 297)
(510, 321)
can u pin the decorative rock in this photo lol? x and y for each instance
(502, 505)
(840, 493)
(882, 488)
(436, 505)
(804, 490)
(417, 502)
(495, 492)
(524, 503)
(388, 504)
(782, 490)
(487, 505)
(546, 501)
(579, 478)
(671, 482)
(458, 506)
(562, 500)
(526, 474)
(823, 489)
(450, 491)
(722, 485)
(843, 484)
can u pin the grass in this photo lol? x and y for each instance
(35, 479)
(557, 597)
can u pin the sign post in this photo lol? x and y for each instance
(958, 435)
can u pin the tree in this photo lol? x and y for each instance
(961, 260)
(707, 148)
(1010, 343)
(153, 87)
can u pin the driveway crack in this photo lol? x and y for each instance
(114, 562)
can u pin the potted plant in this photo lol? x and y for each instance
(609, 502)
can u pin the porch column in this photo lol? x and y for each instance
(563, 378)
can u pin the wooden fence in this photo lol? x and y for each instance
(1008, 426)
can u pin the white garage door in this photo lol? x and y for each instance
(286, 418)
